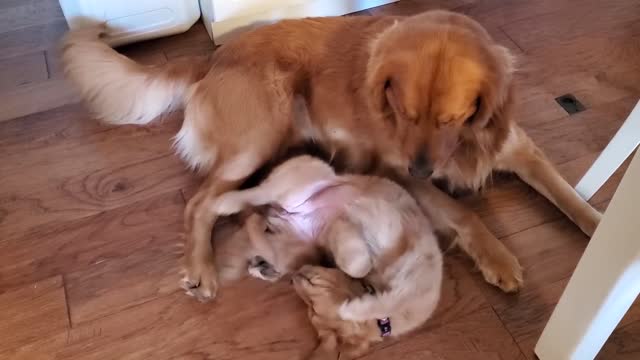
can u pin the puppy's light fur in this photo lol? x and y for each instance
(372, 228)
(408, 97)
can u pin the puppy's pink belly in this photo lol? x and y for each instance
(304, 226)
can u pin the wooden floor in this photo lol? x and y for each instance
(91, 216)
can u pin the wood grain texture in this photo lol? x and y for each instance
(94, 168)
(32, 311)
(30, 39)
(35, 97)
(18, 14)
(92, 214)
(22, 70)
(66, 247)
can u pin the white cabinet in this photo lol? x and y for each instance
(224, 18)
(133, 20)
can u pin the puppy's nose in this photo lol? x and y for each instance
(421, 166)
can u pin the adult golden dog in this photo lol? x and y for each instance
(415, 97)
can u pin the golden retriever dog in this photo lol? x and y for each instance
(373, 230)
(415, 98)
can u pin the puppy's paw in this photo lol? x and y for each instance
(502, 269)
(261, 269)
(311, 274)
(200, 281)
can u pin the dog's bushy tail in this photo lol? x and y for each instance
(117, 89)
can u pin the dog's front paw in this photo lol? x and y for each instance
(502, 269)
(261, 269)
(200, 280)
(590, 221)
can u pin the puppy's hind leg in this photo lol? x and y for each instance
(233, 202)
(349, 248)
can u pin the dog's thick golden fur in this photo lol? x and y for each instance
(419, 96)
(372, 229)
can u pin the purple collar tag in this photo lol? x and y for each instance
(385, 326)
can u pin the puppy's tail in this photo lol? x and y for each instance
(117, 89)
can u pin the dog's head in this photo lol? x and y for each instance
(324, 290)
(441, 80)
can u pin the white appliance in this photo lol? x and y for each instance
(133, 20)
(225, 18)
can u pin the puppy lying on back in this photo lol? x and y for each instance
(377, 235)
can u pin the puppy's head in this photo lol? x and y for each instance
(324, 290)
(439, 79)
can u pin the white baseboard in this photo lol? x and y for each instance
(221, 31)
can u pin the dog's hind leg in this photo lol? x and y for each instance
(521, 156)
(498, 265)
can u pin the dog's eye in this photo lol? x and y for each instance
(471, 118)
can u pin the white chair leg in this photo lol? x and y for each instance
(604, 284)
(619, 148)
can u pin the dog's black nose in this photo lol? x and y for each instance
(421, 166)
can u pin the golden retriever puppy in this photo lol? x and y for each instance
(417, 97)
(325, 291)
(373, 229)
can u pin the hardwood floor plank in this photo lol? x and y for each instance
(611, 19)
(31, 311)
(22, 70)
(111, 285)
(226, 329)
(95, 168)
(480, 335)
(31, 39)
(571, 137)
(19, 14)
(526, 314)
(500, 12)
(36, 97)
(93, 242)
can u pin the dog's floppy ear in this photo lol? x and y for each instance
(496, 93)
(386, 96)
(379, 79)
